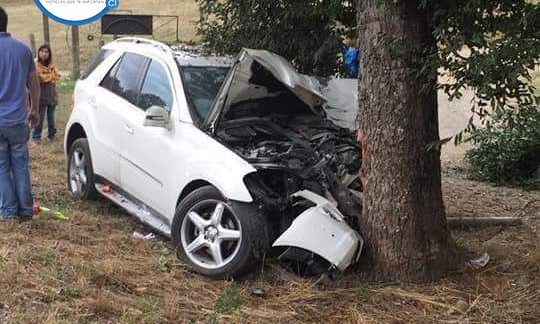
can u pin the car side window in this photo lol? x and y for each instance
(156, 89)
(123, 79)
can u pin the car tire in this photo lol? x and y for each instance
(80, 172)
(193, 226)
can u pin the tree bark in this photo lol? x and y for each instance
(403, 216)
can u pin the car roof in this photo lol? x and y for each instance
(184, 55)
(187, 55)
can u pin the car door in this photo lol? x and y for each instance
(147, 164)
(113, 100)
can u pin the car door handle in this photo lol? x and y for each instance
(93, 103)
(129, 129)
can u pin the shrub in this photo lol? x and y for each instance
(507, 151)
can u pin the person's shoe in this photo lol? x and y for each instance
(52, 139)
(25, 218)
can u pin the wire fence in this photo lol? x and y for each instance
(165, 28)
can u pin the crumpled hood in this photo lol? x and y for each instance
(301, 85)
(241, 85)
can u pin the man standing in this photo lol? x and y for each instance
(17, 73)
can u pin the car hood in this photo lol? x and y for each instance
(241, 85)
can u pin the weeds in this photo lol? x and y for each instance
(229, 301)
(164, 263)
(88, 270)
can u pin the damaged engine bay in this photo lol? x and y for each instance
(294, 146)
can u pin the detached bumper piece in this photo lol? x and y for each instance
(320, 232)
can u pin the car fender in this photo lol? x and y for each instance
(205, 159)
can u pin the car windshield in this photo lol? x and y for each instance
(202, 84)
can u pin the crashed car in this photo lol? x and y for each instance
(234, 159)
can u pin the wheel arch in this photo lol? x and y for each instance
(75, 132)
(228, 191)
(192, 186)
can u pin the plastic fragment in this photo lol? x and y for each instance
(256, 291)
(141, 236)
(479, 262)
(38, 210)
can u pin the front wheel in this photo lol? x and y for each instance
(81, 181)
(219, 238)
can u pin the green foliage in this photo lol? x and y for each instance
(508, 151)
(304, 32)
(66, 86)
(229, 301)
(489, 46)
(164, 262)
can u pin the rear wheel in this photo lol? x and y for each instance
(219, 238)
(81, 181)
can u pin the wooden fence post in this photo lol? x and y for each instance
(33, 43)
(46, 31)
(76, 73)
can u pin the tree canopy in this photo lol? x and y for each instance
(489, 46)
(294, 29)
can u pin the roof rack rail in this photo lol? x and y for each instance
(138, 40)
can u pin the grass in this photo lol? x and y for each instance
(25, 19)
(90, 270)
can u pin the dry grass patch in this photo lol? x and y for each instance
(90, 270)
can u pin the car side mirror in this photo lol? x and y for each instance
(156, 116)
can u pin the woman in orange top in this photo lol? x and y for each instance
(48, 78)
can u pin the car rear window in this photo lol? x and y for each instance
(96, 61)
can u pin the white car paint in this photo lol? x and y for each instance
(170, 158)
(155, 164)
(322, 230)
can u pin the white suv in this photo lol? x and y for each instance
(228, 157)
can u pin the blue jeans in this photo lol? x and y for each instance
(48, 110)
(15, 187)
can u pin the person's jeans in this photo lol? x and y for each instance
(15, 187)
(48, 110)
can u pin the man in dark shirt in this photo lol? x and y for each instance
(17, 73)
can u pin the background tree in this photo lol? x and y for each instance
(297, 30)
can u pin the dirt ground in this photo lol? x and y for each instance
(89, 269)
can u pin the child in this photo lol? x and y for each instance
(48, 78)
(350, 57)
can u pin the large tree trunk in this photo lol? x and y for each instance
(403, 214)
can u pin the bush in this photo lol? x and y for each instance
(507, 151)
